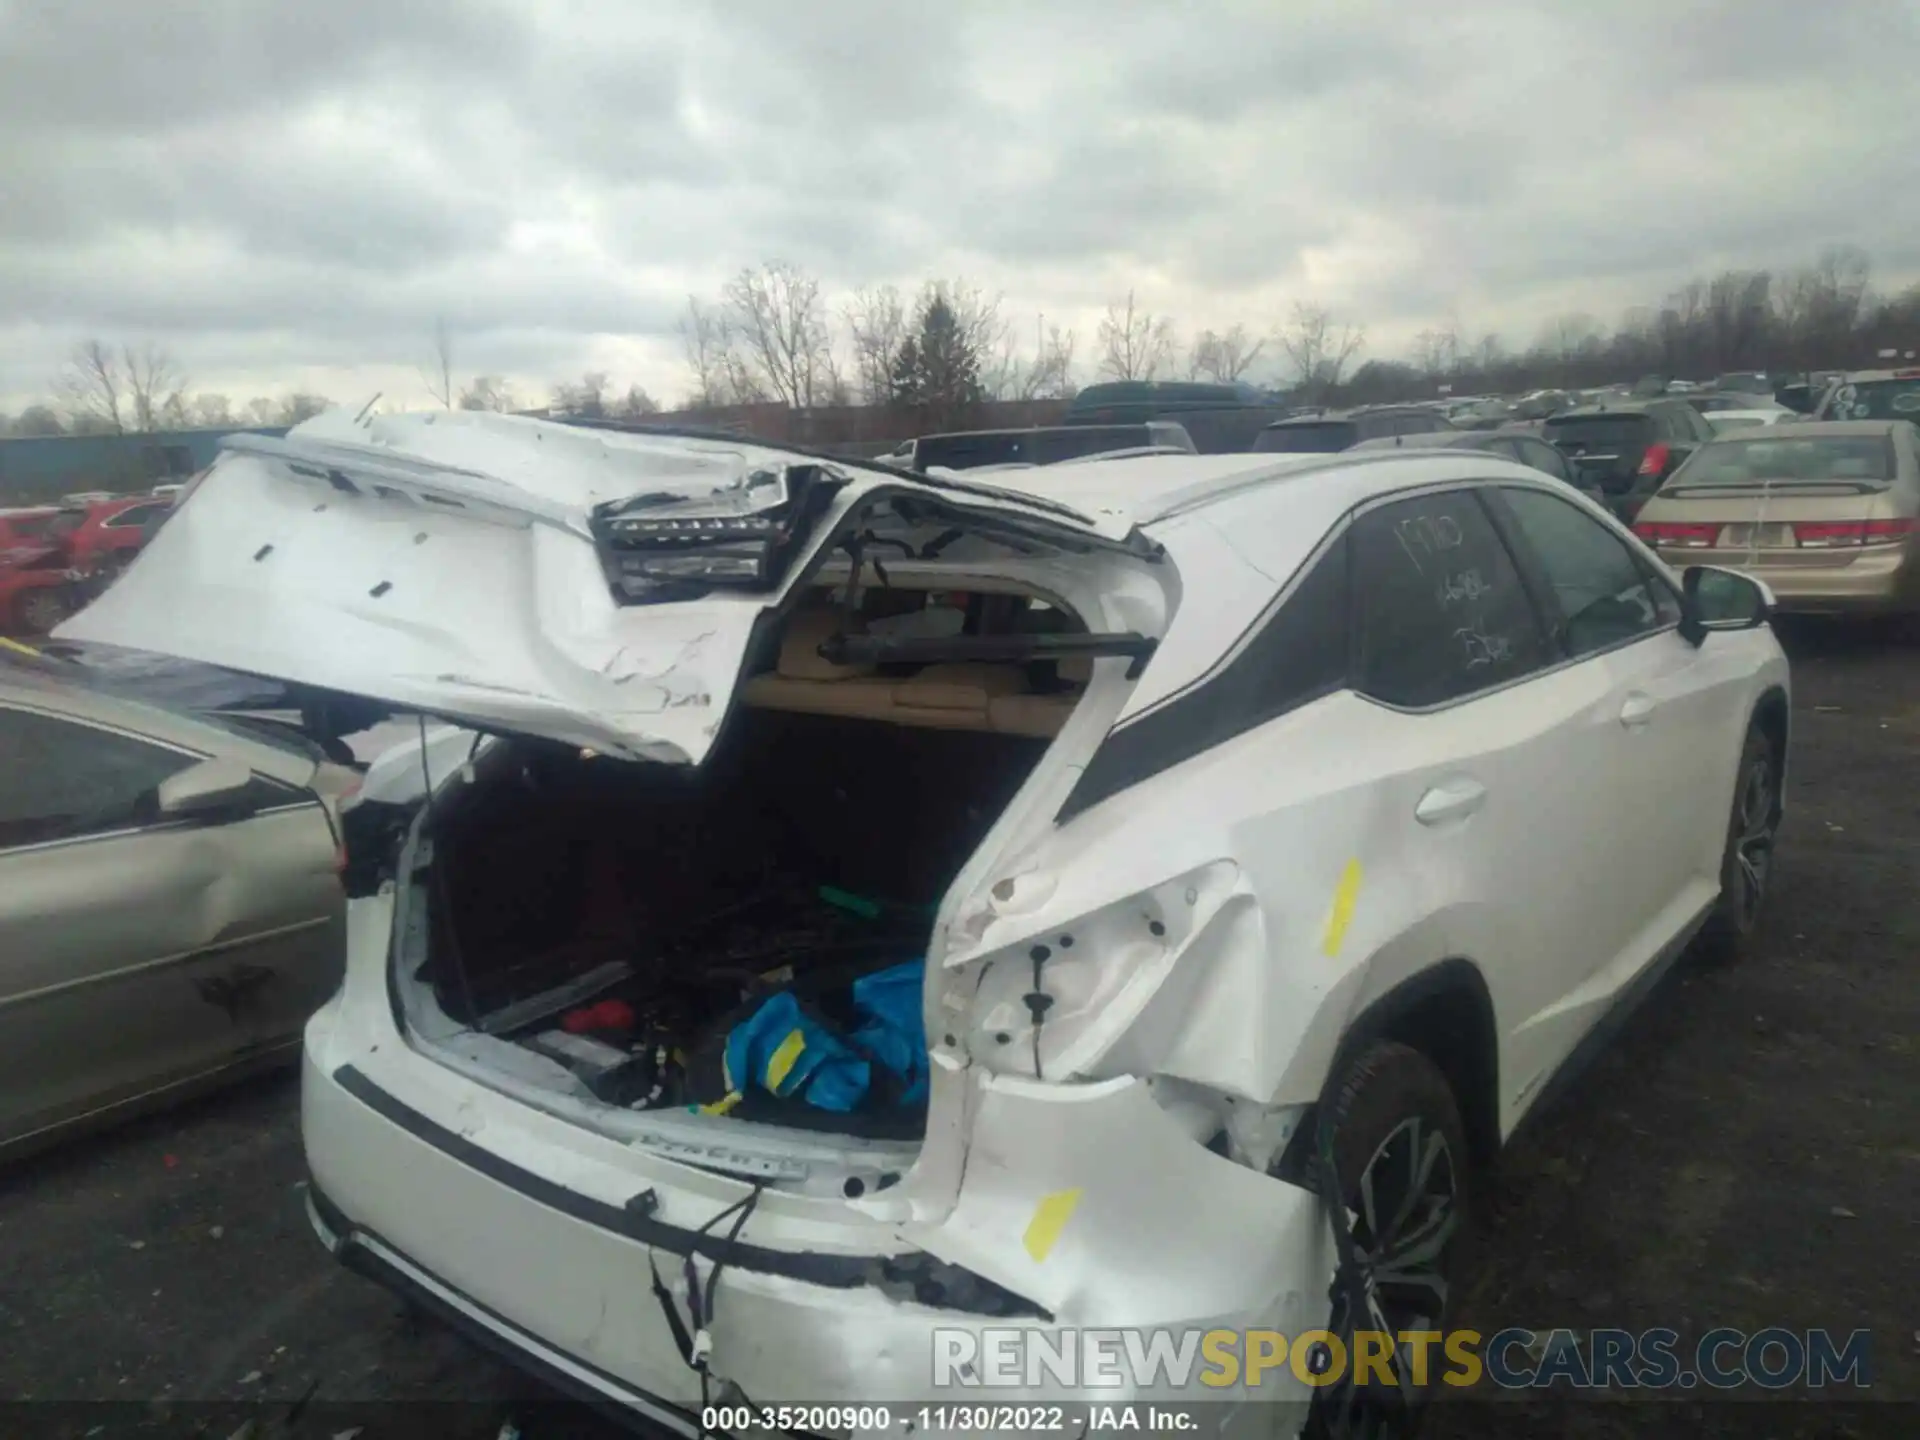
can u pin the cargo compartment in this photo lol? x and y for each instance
(742, 940)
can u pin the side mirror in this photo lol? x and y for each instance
(1715, 599)
(211, 790)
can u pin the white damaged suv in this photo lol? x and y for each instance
(1237, 827)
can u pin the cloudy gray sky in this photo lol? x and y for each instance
(287, 194)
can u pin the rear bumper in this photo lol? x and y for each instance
(542, 1243)
(367, 1255)
(1870, 585)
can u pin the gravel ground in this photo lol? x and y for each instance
(1745, 1155)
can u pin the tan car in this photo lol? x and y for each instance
(170, 903)
(1826, 513)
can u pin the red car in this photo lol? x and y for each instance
(53, 559)
(110, 532)
(35, 583)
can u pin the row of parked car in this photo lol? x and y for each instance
(1823, 504)
(54, 558)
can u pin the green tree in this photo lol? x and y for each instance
(936, 374)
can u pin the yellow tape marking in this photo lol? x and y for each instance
(723, 1104)
(782, 1060)
(16, 645)
(1050, 1217)
(1341, 916)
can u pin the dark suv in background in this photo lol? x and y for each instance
(1624, 450)
(1043, 445)
(1221, 419)
(1341, 430)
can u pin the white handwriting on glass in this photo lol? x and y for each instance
(1467, 585)
(1482, 648)
(1427, 535)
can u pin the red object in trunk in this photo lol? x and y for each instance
(607, 1015)
(1655, 460)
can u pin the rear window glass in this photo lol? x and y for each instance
(1600, 430)
(1839, 459)
(1321, 437)
(1051, 446)
(964, 452)
(66, 522)
(1876, 400)
(29, 527)
(1028, 447)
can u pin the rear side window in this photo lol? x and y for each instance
(1600, 431)
(1298, 654)
(1441, 609)
(1602, 597)
(1316, 437)
(1875, 400)
(134, 516)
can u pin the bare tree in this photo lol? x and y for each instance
(636, 404)
(1436, 352)
(1318, 349)
(1739, 315)
(586, 398)
(707, 341)
(154, 381)
(300, 406)
(777, 314)
(1045, 374)
(1223, 357)
(92, 389)
(487, 392)
(437, 374)
(1818, 307)
(212, 411)
(876, 321)
(1135, 344)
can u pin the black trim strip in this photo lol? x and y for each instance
(370, 1265)
(634, 1221)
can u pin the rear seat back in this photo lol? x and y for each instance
(971, 696)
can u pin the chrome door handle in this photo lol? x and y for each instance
(1638, 710)
(1450, 800)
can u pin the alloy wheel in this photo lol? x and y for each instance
(1407, 1211)
(1754, 824)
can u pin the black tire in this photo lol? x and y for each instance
(1746, 864)
(37, 611)
(1390, 1107)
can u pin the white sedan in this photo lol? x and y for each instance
(895, 913)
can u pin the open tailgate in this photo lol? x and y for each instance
(446, 564)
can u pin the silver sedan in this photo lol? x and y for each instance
(170, 905)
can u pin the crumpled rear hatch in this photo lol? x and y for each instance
(593, 587)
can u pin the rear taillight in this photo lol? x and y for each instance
(1655, 460)
(1838, 534)
(1691, 537)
